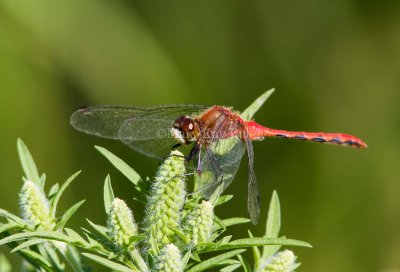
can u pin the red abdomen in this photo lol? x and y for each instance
(256, 131)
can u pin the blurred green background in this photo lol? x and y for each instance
(335, 65)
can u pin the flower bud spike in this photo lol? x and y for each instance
(283, 261)
(199, 222)
(169, 259)
(165, 201)
(35, 207)
(121, 223)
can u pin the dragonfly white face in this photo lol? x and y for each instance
(177, 134)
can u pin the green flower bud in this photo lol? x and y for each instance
(166, 200)
(35, 207)
(199, 222)
(283, 261)
(169, 259)
(121, 224)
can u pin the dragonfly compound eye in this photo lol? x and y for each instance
(184, 123)
(187, 124)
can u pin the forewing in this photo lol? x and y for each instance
(145, 129)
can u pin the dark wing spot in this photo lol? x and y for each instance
(335, 141)
(349, 142)
(318, 140)
(300, 137)
(281, 136)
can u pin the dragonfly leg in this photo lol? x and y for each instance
(176, 146)
(199, 168)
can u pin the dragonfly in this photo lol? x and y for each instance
(214, 137)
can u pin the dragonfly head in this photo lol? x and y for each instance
(185, 130)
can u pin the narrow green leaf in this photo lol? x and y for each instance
(99, 229)
(53, 256)
(10, 226)
(108, 194)
(75, 236)
(43, 178)
(12, 217)
(274, 217)
(256, 252)
(60, 192)
(180, 234)
(186, 257)
(230, 268)
(223, 199)
(256, 241)
(195, 256)
(36, 259)
(28, 165)
(137, 238)
(53, 190)
(248, 113)
(94, 244)
(245, 264)
(273, 226)
(230, 222)
(27, 243)
(124, 168)
(214, 261)
(74, 259)
(68, 214)
(49, 235)
(109, 264)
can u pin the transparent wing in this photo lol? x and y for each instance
(253, 194)
(145, 129)
(219, 164)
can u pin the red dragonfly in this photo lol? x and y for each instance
(217, 137)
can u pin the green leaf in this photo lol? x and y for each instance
(230, 268)
(68, 214)
(12, 217)
(214, 261)
(93, 244)
(74, 258)
(36, 259)
(223, 199)
(109, 264)
(180, 234)
(53, 190)
(49, 235)
(274, 217)
(248, 113)
(52, 254)
(108, 194)
(10, 226)
(124, 168)
(245, 264)
(75, 236)
(273, 226)
(28, 165)
(186, 257)
(255, 241)
(99, 229)
(27, 243)
(231, 222)
(60, 192)
(256, 252)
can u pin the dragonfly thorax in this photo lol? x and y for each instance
(185, 130)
